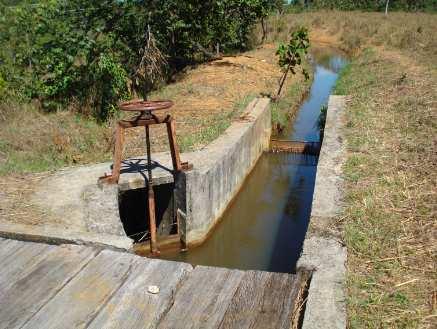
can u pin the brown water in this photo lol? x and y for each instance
(265, 226)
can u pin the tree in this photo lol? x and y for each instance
(292, 54)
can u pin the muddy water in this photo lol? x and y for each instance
(265, 226)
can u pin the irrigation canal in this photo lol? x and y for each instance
(264, 227)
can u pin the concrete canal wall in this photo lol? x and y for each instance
(323, 253)
(221, 168)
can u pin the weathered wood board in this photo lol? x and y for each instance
(265, 300)
(81, 299)
(39, 283)
(20, 261)
(133, 306)
(203, 299)
(44, 286)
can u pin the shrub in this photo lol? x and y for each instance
(89, 52)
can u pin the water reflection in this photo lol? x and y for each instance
(265, 226)
(327, 63)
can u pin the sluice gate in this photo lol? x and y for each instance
(297, 147)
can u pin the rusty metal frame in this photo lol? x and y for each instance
(146, 118)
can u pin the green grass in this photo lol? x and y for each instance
(32, 141)
(213, 127)
(390, 194)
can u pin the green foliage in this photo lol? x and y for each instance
(292, 54)
(321, 120)
(89, 53)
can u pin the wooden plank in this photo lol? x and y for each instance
(7, 247)
(132, 306)
(80, 300)
(40, 283)
(203, 299)
(300, 147)
(20, 259)
(265, 300)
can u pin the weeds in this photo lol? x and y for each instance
(321, 121)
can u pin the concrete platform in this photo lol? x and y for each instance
(70, 286)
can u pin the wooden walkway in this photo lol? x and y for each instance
(70, 286)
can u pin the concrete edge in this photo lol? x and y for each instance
(256, 114)
(200, 236)
(58, 236)
(326, 301)
(322, 252)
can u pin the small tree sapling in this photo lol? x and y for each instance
(292, 54)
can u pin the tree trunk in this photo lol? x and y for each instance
(386, 7)
(264, 28)
(281, 83)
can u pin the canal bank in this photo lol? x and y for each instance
(323, 252)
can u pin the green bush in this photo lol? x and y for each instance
(89, 52)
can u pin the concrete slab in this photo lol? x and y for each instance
(326, 305)
(327, 199)
(56, 235)
(322, 252)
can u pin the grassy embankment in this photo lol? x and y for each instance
(389, 223)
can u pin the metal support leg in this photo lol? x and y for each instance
(151, 199)
(118, 152)
(174, 149)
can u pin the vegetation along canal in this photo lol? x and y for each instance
(265, 226)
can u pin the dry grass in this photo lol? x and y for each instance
(31, 141)
(352, 31)
(390, 224)
(208, 97)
